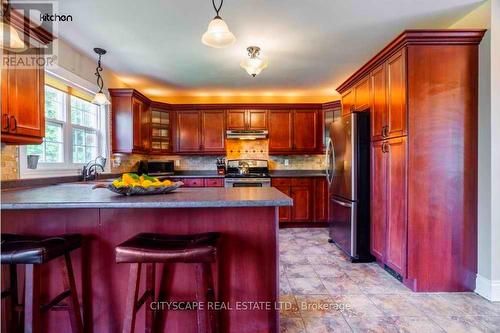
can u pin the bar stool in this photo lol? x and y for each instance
(150, 249)
(33, 252)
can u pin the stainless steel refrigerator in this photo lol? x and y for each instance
(348, 175)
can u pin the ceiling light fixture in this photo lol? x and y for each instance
(218, 34)
(100, 98)
(255, 63)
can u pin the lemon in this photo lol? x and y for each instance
(146, 183)
(167, 182)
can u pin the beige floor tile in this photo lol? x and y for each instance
(292, 325)
(472, 304)
(326, 324)
(307, 286)
(416, 325)
(490, 323)
(372, 325)
(298, 271)
(329, 270)
(293, 259)
(356, 306)
(342, 285)
(459, 324)
(395, 305)
(284, 286)
(433, 304)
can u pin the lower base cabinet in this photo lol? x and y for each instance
(309, 199)
(201, 182)
(388, 198)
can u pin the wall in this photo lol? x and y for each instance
(291, 98)
(487, 15)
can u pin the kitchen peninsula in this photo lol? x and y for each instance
(247, 219)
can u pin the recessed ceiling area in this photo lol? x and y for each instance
(312, 46)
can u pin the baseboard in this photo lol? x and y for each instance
(284, 225)
(489, 289)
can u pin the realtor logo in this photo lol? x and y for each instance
(28, 33)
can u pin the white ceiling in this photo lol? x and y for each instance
(312, 45)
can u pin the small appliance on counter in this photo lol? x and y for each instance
(247, 173)
(156, 168)
(221, 166)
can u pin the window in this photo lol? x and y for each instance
(75, 133)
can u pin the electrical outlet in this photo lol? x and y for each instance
(287, 162)
(177, 162)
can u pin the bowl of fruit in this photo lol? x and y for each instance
(133, 184)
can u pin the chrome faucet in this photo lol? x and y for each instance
(89, 171)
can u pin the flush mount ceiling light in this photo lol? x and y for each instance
(100, 98)
(255, 63)
(218, 34)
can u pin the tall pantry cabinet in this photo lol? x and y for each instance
(423, 103)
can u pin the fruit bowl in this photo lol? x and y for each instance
(139, 190)
(132, 184)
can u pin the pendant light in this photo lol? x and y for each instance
(218, 34)
(255, 63)
(100, 98)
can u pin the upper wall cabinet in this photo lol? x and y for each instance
(247, 119)
(362, 95)
(294, 131)
(131, 121)
(347, 102)
(200, 132)
(161, 136)
(23, 91)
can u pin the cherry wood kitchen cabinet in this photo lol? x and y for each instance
(305, 130)
(302, 191)
(280, 131)
(200, 131)
(131, 121)
(23, 88)
(188, 127)
(200, 182)
(347, 102)
(247, 120)
(378, 103)
(294, 131)
(396, 95)
(388, 209)
(213, 131)
(362, 95)
(161, 134)
(424, 180)
(23, 104)
(320, 199)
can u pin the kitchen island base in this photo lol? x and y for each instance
(247, 265)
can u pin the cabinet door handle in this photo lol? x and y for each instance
(15, 123)
(6, 121)
(385, 131)
(385, 147)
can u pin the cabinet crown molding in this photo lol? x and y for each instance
(414, 37)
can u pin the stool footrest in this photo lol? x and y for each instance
(143, 298)
(55, 301)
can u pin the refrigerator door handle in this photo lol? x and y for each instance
(345, 204)
(329, 165)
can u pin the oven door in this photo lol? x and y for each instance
(342, 224)
(247, 182)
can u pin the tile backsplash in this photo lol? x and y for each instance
(10, 163)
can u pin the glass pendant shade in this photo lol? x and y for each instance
(9, 38)
(218, 34)
(254, 64)
(100, 99)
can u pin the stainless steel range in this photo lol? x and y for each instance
(247, 173)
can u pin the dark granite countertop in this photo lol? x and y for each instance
(297, 173)
(82, 195)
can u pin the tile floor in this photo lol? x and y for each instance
(322, 292)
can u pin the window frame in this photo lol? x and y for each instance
(68, 167)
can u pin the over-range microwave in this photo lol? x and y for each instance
(156, 168)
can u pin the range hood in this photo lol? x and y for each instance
(247, 134)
